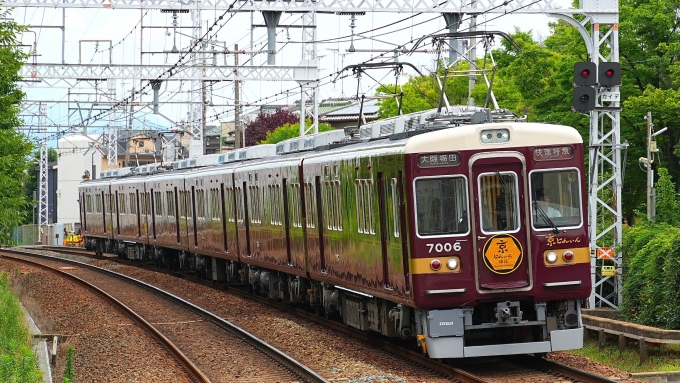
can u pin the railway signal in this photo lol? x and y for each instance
(609, 74)
(584, 74)
(584, 93)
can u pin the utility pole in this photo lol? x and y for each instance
(650, 172)
(129, 135)
(237, 103)
(651, 149)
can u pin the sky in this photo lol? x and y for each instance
(123, 29)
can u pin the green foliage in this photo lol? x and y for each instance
(667, 205)
(18, 364)
(290, 131)
(69, 371)
(15, 149)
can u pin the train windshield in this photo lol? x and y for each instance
(555, 198)
(499, 202)
(441, 205)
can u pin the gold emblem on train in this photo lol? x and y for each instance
(502, 254)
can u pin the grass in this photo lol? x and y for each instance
(18, 363)
(661, 359)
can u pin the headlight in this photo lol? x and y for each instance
(452, 264)
(551, 257)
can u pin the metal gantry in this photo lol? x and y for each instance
(43, 197)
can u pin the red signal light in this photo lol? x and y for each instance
(585, 73)
(609, 73)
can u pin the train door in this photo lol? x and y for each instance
(503, 257)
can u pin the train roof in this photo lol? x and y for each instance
(422, 132)
(469, 137)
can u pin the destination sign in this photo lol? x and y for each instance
(439, 159)
(553, 153)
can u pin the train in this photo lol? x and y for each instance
(464, 232)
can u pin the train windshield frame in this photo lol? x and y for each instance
(441, 204)
(556, 199)
(499, 202)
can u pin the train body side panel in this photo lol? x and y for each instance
(274, 234)
(94, 193)
(215, 227)
(130, 221)
(353, 213)
(166, 225)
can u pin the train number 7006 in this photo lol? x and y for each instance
(443, 247)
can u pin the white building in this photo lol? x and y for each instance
(76, 154)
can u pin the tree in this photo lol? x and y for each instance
(290, 131)
(15, 148)
(264, 123)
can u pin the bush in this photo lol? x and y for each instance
(290, 131)
(18, 363)
(69, 371)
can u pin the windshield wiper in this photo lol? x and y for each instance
(545, 217)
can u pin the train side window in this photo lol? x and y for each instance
(229, 204)
(133, 204)
(170, 203)
(146, 204)
(395, 207)
(310, 202)
(296, 206)
(333, 205)
(121, 204)
(275, 204)
(200, 204)
(239, 204)
(363, 189)
(215, 204)
(441, 206)
(255, 202)
(158, 202)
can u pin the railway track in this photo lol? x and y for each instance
(189, 332)
(498, 369)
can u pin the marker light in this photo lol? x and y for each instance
(551, 257)
(568, 256)
(435, 265)
(452, 263)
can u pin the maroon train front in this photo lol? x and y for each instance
(471, 240)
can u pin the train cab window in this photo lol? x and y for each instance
(499, 202)
(441, 206)
(555, 198)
